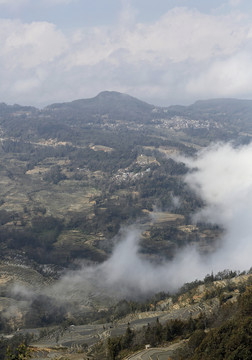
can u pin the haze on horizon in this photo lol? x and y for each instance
(163, 52)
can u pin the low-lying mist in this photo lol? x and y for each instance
(222, 176)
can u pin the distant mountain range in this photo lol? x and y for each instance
(118, 105)
(216, 119)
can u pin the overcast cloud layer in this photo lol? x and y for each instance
(176, 55)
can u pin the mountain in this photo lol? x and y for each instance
(110, 112)
(234, 111)
(10, 109)
(114, 105)
(119, 106)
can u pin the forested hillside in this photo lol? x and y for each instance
(72, 177)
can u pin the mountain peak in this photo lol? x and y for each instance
(110, 94)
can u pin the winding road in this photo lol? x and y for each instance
(156, 353)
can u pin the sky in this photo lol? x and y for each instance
(164, 52)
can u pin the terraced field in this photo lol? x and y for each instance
(73, 340)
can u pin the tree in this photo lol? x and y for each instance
(21, 353)
(128, 337)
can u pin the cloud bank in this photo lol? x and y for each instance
(181, 56)
(222, 176)
(224, 180)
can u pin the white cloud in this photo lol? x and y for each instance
(228, 77)
(160, 60)
(182, 34)
(180, 57)
(178, 36)
(27, 53)
(127, 15)
(222, 178)
(29, 45)
(235, 3)
(221, 175)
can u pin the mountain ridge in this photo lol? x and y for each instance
(106, 95)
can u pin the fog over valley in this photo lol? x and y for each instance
(125, 180)
(221, 175)
(111, 206)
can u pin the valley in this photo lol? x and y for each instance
(73, 177)
(202, 301)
